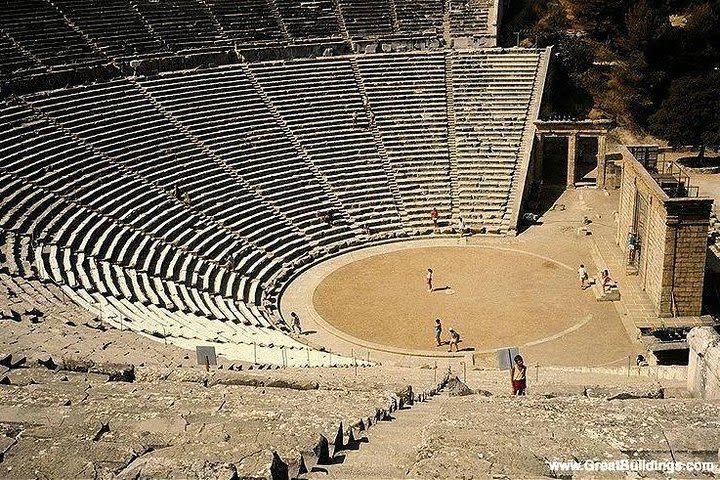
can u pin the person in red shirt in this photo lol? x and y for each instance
(434, 215)
(518, 376)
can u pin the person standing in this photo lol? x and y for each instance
(434, 215)
(518, 375)
(583, 275)
(454, 340)
(429, 280)
(438, 331)
(296, 323)
(632, 247)
(462, 227)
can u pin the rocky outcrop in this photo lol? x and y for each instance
(116, 372)
(704, 363)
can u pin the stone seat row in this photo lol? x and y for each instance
(71, 228)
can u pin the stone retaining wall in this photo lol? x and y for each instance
(704, 363)
(672, 241)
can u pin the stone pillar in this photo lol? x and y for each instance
(539, 156)
(571, 159)
(602, 150)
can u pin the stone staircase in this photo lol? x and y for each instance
(447, 29)
(213, 19)
(96, 48)
(321, 178)
(341, 21)
(452, 137)
(278, 18)
(146, 24)
(380, 146)
(394, 16)
(583, 415)
(512, 213)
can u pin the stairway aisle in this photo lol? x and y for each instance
(392, 447)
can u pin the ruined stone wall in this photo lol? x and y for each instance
(654, 260)
(704, 363)
(625, 208)
(689, 266)
(652, 241)
(673, 244)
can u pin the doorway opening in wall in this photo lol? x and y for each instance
(678, 356)
(586, 164)
(555, 151)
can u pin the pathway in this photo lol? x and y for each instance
(392, 446)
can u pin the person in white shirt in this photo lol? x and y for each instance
(583, 274)
(462, 227)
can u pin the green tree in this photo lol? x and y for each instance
(645, 23)
(603, 19)
(690, 115)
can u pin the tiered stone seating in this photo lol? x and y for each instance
(53, 160)
(40, 29)
(128, 298)
(163, 308)
(106, 117)
(367, 18)
(223, 109)
(113, 25)
(133, 193)
(12, 59)
(182, 24)
(407, 94)
(74, 233)
(209, 426)
(57, 169)
(247, 21)
(493, 93)
(469, 18)
(322, 106)
(419, 16)
(249, 342)
(313, 19)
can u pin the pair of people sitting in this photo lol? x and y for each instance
(606, 282)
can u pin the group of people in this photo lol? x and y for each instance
(453, 341)
(605, 280)
(181, 194)
(329, 217)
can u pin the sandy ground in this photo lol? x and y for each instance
(493, 297)
(521, 291)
